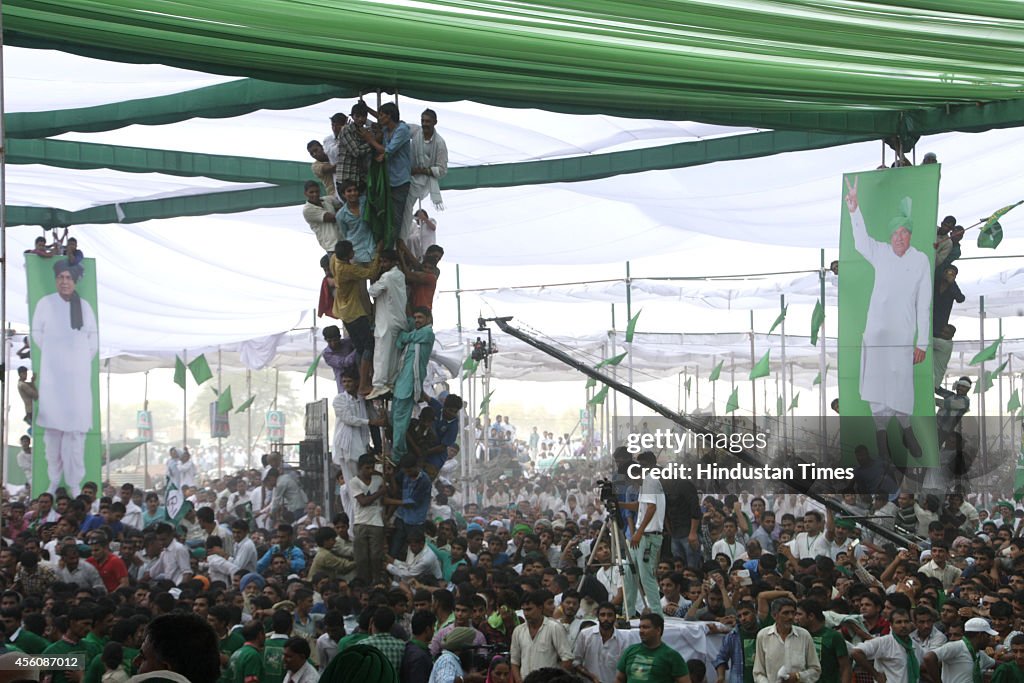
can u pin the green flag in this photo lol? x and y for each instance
(311, 370)
(631, 327)
(1018, 480)
(763, 367)
(179, 372)
(989, 380)
(987, 353)
(990, 236)
(614, 360)
(817, 318)
(686, 385)
(795, 402)
(779, 406)
(991, 233)
(599, 397)
(485, 404)
(734, 401)
(1014, 404)
(778, 321)
(245, 406)
(469, 367)
(200, 369)
(377, 212)
(224, 402)
(716, 372)
(817, 378)
(591, 382)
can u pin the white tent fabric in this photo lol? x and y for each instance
(200, 282)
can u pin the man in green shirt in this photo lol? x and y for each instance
(79, 625)
(18, 635)
(1012, 672)
(221, 620)
(98, 636)
(273, 647)
(650, 660)
(128, 632)
(831, 647)
(246, 664)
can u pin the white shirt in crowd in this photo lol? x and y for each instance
(598, 656)
(889, 657)
(957, 663)
(549, 647)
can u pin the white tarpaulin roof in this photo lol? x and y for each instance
(198, 282)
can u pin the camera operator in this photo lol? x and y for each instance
(626, 489)
(645, 539)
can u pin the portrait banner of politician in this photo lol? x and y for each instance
(886, 256)
(67, 448)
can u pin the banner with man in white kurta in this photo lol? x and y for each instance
(886, 279)
(67, 446)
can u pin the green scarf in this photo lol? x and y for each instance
(976, 658)
(913, 666)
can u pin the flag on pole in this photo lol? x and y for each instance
(716, 372)
(224, 402)
(245, 406)
(779, 406)
(817, 378)
(200, 369)
(778, 321)
(614, 360)
(991, 233)
(795, 402)
(484, 404)
(817, 319)
(599, 397)
(176, 505)
(591, 382)
(762, 369)
(179, 372)
(986, 354)
(1014, 403)
(686, 384)
(734, 401)
(311, 370)
(469, 367)
(989, 380)
(631, 327)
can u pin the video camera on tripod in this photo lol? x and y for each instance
(606, 491)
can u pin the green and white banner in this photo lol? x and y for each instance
(885, 294)
(66, 447)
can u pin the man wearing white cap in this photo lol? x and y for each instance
(962, 660)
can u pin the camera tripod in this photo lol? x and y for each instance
(620, 555)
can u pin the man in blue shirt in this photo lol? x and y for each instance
(413, 486)
(396, 151)
(285, 545)
(446, 419)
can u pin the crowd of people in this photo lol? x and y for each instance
(513, 579)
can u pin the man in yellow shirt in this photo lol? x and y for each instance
(349, 280)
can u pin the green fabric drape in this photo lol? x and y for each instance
(378, 204)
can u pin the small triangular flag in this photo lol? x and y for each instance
(224, 402)
(763, 367)
(987, 353)
(686, 384)
(179, 372)
(817, 318)
(469, 367)
(311, 370)
(614, 360)
(631, 327)
(599, 397)
(734, 401)
(716, 372)
(778, 321)
(1014, 403)
(485, 404)
(245, 406)
(780, 406)
(200, 369)
(989, 379)
(591, 382)
(795, 402)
